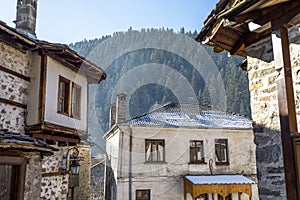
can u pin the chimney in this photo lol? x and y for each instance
(121, 108)
(26, 17)
(112, 115)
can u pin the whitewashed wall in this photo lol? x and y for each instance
(54, 70)
(165, 179)
(34, 87)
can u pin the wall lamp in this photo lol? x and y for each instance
(72, 160)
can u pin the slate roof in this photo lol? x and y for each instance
(188, 115)
(219, 179)
(62, 52)
(11, 140)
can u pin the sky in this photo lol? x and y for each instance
(67, 21)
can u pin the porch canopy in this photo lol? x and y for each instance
(223, 185)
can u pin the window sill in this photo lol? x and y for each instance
(222, 164)
(63, 113)
(197, 163)
(155, 162)
(76, 117)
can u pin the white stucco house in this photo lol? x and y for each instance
(180, 152)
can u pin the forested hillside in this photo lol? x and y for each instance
(138, 64)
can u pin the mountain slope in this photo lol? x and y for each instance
(157, 66)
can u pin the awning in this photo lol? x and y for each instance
(223, 185)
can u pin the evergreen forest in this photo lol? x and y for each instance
(152, 76)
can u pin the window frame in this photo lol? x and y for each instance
(66, 100)
(77, 102)
(19, 169)
(151, 150)
(66, 97)
(201, 149)
(143, 198)
(221, 142)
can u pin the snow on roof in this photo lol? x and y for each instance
(219, 179)
(188, 115)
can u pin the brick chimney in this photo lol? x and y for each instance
(26, 17)
(121, 108)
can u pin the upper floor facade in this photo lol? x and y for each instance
(45, 87)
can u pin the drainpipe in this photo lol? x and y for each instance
(130, 162)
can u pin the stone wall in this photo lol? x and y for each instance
(54, 183)
(33, 176)
(264, 105)
(97, 181)
(82, 192)
(13, 88)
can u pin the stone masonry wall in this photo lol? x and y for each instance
(82, 192)
(33, 176)
(54, 184)
(264, 105)
(13, 88)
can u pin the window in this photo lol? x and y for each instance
(155, 151)
(142, 194)
(76, 95)
(12, 176)
(63, 95)
(196, 151)
(69, 99)
(221, 148)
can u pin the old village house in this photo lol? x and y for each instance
(179, 151)
(43, 113)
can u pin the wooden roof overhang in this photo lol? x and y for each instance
(53, 132)
(60, 52)
(72, 60)
(227, 27)
(195, 190)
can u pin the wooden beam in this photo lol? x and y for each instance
(262, 16)
(11, 72)
(237, 46)
(51, 174)
(46, 126)
(55, 138)
(252, 37)
(11, 160)
(287, 112)
(13, 103)
(287, 15)
(42, 89)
